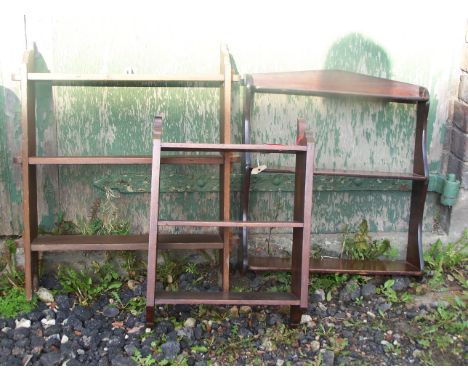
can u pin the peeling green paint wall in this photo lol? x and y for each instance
(350, 133)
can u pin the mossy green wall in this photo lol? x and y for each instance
(352, 134)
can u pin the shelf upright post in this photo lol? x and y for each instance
(153, 222)
(243, 261)
(414, 254)
(304, 175)
(225, 168)
(30, 218)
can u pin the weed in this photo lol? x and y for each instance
(170, 269)
(387, 290)
(83, 284)
(13, 302)
(281, 334)
(136, 305)
(444, 328)
(191, 268)
(8, 262)
(338, 344)
(143, 361)
(199, 349)
(282, 281)
(393, 348)
(359, 301)
(449, 259)
(328, 283)
(360, 246)
(326, 333)
(104, 218)
(61, 226)
(132, 264)
(234, 330)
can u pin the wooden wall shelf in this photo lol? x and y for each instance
(337, 83)
(297, 298)
(34, 243)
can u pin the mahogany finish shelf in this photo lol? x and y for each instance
(231, 223)
(352, 173)
(128, 80)
(173, 159)
(337, 83)
(61, 243)
(33, 242)
(231, 147)
(332, 265)
(227, 298)
(298, 297)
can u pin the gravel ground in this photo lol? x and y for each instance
(353, 323)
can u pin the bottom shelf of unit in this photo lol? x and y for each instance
(331, 265)
(124, 242)
(227, 298)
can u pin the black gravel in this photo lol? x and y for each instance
(346, 329)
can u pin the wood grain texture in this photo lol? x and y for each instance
(227, 298)
(144, 159)
(60, 243)
(419, 190)
(30, 215)
(267, 148)
(153, 220)
(338, 83)
(232, 223)
(332, 265)
(352, 173)
(226, 168)
(302, 212)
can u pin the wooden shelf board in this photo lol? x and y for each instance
(99, 160)
(273, 148)
(215, 223)
(124, 242)
(329, 265)
(370, 174)
(127, 80)
(226, 298)
(351, 173)
(338, 83)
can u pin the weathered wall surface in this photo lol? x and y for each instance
(400, 44)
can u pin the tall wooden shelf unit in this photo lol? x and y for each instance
(34, 243)
(336, 83)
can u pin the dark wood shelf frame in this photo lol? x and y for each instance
(34, 243)
(297, 299)
(326, 83)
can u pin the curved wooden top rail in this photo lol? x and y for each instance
(338, 83)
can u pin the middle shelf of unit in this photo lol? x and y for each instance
(143, 159)
(212, 159)
(230, 223)
(233, 147)
(351, 173)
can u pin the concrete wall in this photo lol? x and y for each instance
(405, 42)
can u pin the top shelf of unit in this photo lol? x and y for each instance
(127, 80)
(336, 83)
